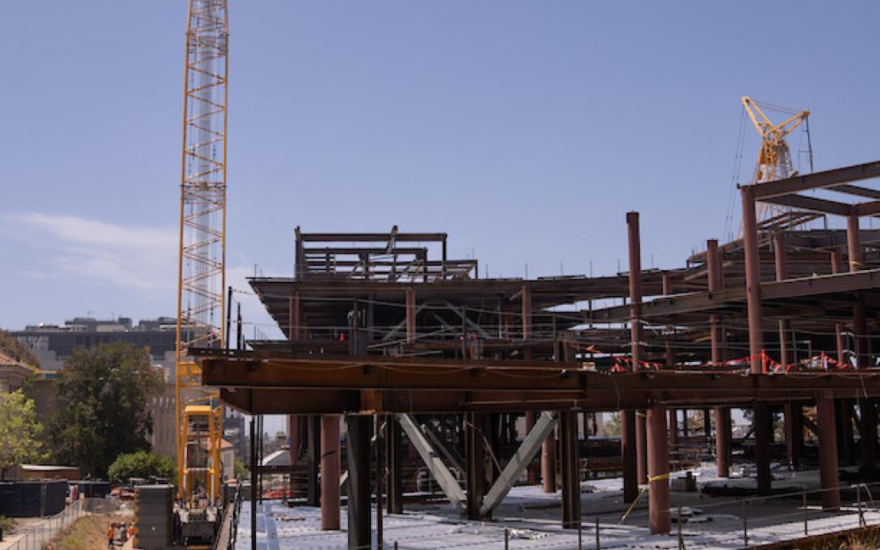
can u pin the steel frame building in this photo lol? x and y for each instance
(379, 326)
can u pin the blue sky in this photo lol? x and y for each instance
(525, 130)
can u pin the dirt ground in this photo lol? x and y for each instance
(88, 533)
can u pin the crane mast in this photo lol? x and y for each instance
(202, 248)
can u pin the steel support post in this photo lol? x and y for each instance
(477, 426)
(533, 470)
(548, 464)
(410, 315)
(753, 279)
(827, 450)
(293, 439)
(394, 459)
(715, 275)
(837, 267)
(294, 333)
(635, 300)
(763, 434)
(658, 472)
(794, 433)
(571, 478)
(358, 453)
(330, 471)
(868, 432)
(670, 364)
(313, 444)
(723, 436)
(628, 455)
(845, 433)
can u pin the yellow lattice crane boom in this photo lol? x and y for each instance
(201, 271)
(774, 159)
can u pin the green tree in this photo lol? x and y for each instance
(141, 464)
(13, 347)
(19, 431)
(102, 408)
(612, 425)
(239, 469)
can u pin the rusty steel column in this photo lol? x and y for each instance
(794, 433)
(294, 333)
(358, 455)
(715, 276)
(827, 450)
(868, 432)
(837, 267)
(658, 471)
(753, 279)
(781, 261)
(410, 315)
(628, 455)
(635, 300)
(330, 466)
(394, 460)
(670, 364)
(571, 474)
(868, 421)
(532, 470)
(548, 464)
(854, 243)
(763, 435)
(313, 458)
(792, 438)
(476, 425)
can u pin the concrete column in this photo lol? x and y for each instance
(330, 459)
(628, 455)
(658, 472)
(635, 300)
(753, 278)
(571, 486)
(827, 450)
(763, 435)
(358, 454)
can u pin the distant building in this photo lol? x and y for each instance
(53, 344)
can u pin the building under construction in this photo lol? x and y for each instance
(491, 383)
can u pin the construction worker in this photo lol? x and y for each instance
(110, 535)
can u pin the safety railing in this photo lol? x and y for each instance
(34, 537)
(780, 517)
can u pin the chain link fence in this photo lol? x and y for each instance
(34, 537)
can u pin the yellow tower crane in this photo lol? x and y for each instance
(202, 259)
(774, 160)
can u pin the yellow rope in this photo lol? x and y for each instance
(651, 479)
